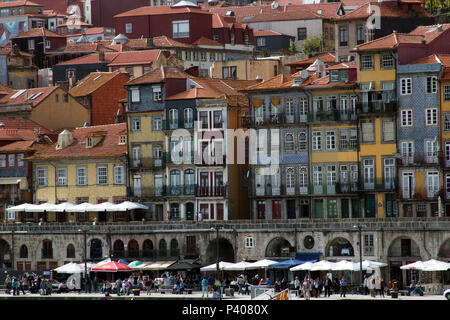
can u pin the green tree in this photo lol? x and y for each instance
(311, 45)
(292, 47)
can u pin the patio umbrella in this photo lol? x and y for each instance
(261, 264)
(123, 261)
(70, 268)
(286, 263)
(61, 207)
(20, 207)
(345, 265)
(213, 267)
(40, 207)
(435, 265)
(159, 265)
(418, 265)
(82, 207)
(102, 262)
(112, 266)
(135, 264)
(304, 266)
(184, 265)
(240, 266)
(372, 264)
(125, 206)
(322, 265)
(100, 207)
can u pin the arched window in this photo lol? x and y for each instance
(289, 143)
(118, 249)
(162, 248)
(147, 248)
(133, 249)
(174, 248)
(47, 249)
(70, 251)
(23, 251)
(302, 141)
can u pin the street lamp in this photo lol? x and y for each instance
(85, 259)
(359, 227)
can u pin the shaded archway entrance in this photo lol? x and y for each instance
(226, 251)
(5, 254)
(444, 250)
(339, 247)
(402, 251)
(279, 247)
(96, 251)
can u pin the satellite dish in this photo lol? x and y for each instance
(304, 74)
(274, 5)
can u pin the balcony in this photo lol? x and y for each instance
(178, 157)
(420, 193)
(282, 190)
(331, 115)
(147, 163)
(210, 191)
(273, 120)
(390, 184)
(420, 159)
(378, 107)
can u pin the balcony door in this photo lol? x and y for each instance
(408, 185)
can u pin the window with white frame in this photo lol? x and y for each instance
(11, 160)
(331, 140)
(431, 86)
(317, 175)
(173, 118)
(42, 177)
(135, 95)
(2, 160)
(431, 118)
(302, 141)
(157, 124)
(367, 129)
(405, 86)
(128, 27)
(31, 44)
(135, 124)
(331, 174)
(249, 242)
(180, 29)
(119, 175)
(157, 96)
(406, 118)
(289, 142)
(388, 130)
(261, 42)
(122, 139)
(387, 61)
(447, 122)
(316, 140)
(447, 93)
(366, 62)
(61, 174)
(368, 245)
(81, 176)
(102, 175)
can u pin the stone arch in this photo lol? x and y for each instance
(23, 252)
(133, 249)
(226, 251)
(148, 249)
(96, 250)
(70, 251)
(162, 248)
(404, 247)
(279, 247)
(47, 249)
(444, 250)
(118, 248)
(339, 247)
(174, 248)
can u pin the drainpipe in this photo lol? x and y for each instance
(424, 244)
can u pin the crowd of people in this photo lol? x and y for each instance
(28, 283)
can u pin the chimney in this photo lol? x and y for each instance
(65, 139)
(150, 42)
(101, 56)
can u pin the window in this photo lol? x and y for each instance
(119, 174)
(48, 44)
(367, 129)
(217, 119)
(249, 242)
(89, 141)
(70, 251)
(3, 160)
(61, 174)
(431, 116)
(334, 75)
(302, 141)
(11, 160)
(232, 38)
(23, 253)
(261, 42)
(195, 55)
(102, 175)
(180, 29)
(157, 124)
(212, 56)
(388, 130)
(405, 86)
(246, 41)
(135, 124)
(317, 175)
(135, 95)
(360, 34)
(406, 118)
(446, 123)
(203, 56)
(30, 44)
(289, 142)
(81, 176)
(447, 93)
(188, 118)
(173, 118)
(331, 140)
(229, 72)
(42, 177)
(343, 36)
(203, 119)
(301, 34)
(431, 84)
(316, 140)
(366, 62)
(368, 245)
(47, 250)
(157, 96)
(215, 37)
(369, 171)
(122, 140)
(387, 61)
(187, 55)
(128, 27)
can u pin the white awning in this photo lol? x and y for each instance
(15, 180)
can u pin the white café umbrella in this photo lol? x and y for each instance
(418, 265)
(435, 265)
(125, 206)
(40, 207)
(20, 207)
(213, 267)
(372, 264)
(63, 206)
(70, 268)
(260, 264)
(82, 207)
(345, 265)
(102, 262)
(322, 265)
(240, 266)
(100, 207)
(302, 267)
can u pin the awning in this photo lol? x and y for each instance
(308, 256)
(275, 101)
(22, 180)
(257, 102)
(158, 265)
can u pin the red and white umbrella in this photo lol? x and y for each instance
(112, 266)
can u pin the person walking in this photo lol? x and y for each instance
(8, 284)
(377, 286)
(297, 286)
(316, 288)
(372, 286)
(306, 288)
(381, 287)
(15, 286)
(327, 286)
(205, 287)
(343, 285)
(366, 285)
(240, 281)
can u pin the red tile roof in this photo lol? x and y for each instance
(19, 4)
(24, 125)
(91, 58)
(281, 81)
(87, 47)
(159, 10)
(202, 41)
(440, 58)
(159, 75)
(107, 147)
(390, 41)
(17, 146)
(343, 65)
(166, 42)
(327, 58)
(430, 32)
(266, 33)
(92, 82)
(135, 57)
(33, 96)
(38, 32)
